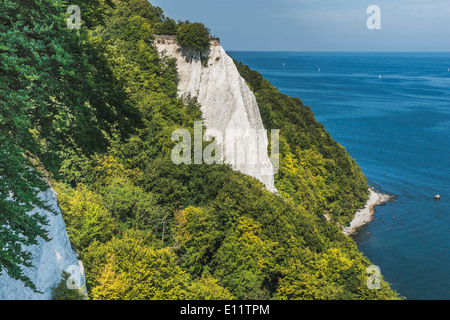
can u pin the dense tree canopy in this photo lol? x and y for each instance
(97, 106)
(55, 94)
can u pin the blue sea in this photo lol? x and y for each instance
(391, 111)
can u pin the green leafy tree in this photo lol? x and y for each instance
(193, 36)
(208, 288)
(51, 100)
(87, 220)
(167, 27)
(148, 273)
(197, 236)
(241, 263)
(111, 286)
(62, 292)
(300, 283)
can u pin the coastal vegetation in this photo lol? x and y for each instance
(193, 36)
(96, 108)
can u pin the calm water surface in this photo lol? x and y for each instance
(391, 111)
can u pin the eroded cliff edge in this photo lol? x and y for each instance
(228, 105)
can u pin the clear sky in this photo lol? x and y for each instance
(319, 25)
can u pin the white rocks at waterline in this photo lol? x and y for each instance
(364, 215)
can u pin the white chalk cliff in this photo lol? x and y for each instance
(49, 259)
(228, 105)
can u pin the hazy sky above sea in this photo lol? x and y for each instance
(319, 25)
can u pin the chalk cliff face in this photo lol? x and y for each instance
(229, 108)
(49, 259)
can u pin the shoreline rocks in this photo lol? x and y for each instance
(365, 215)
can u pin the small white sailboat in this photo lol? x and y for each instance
(379, 76)
(284, 64)
(319, 69)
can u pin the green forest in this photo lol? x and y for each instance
(91, 112)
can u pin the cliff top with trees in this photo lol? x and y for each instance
(97, 107)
